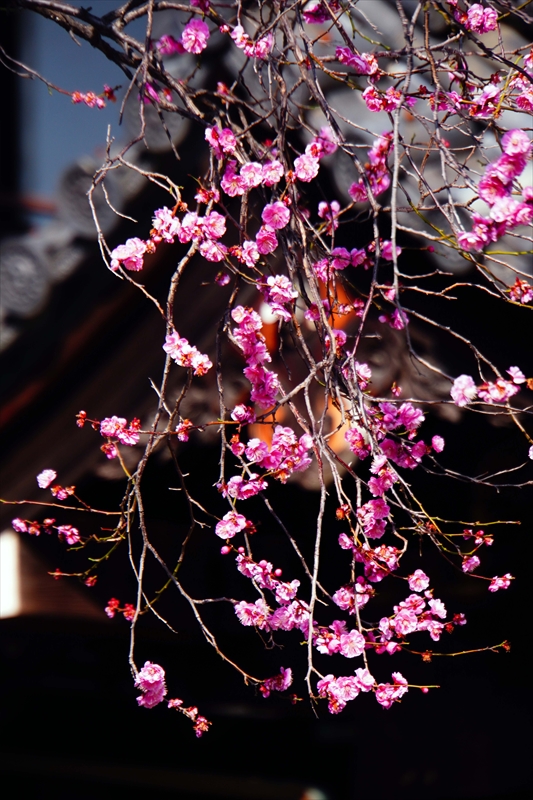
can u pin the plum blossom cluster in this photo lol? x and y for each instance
(194, 38)
(380, 420)
(464, 389)
(250, 340)
(67, 533)
(477, 18)
(113, 607)
(185, 354)
(495, 188)
(93, 100)
(200, 724)
(117, 430)
(294, 250)
(151, 681)
(258, 49)
(287, 453)
(377, 174)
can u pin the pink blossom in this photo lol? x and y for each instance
(252, 174)
(404, 622)
(470, 241)
(239, 36)
(418, 581)
(364, 680)
(500, 583)
(151, 681)
(352, 644)
(358, 441)
(255, 614)
(437, 443)
(230, 524)
(315, 14)
(130, 255)
(398, 320)
(481, 20)
(243, 414)
(259, 49)
(167, 45)
(521, 291)
(470, 564)
(19, 525)
(276, 215)
(221, 140)
(463, 390)
(266, 240)
(517, 375)
(516, 141)
(112, 607)
(183, 429)
(486, 103)
(213, 251)
(118, 428)
(386, 250)
(186, 355)
(214, 225)
(499, 391)
(387, 694)
(272, 173)
(70, 534)
(165, 225)
(256, 450)
(278, 683)
(46, 477)
(306, 167)
(361, 63)
(285, 592)
(195, 35)
(437, 608)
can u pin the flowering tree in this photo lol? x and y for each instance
(354, 179)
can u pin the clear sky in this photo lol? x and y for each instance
(54, 131)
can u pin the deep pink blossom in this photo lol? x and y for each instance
(221, 140)
(500, 583)
(361, 63)
(470, 564)
(255, 614)
(418, 581)
(185, 354)
(195, 35)
(252, 174)
(230, 524)
(266, 240)
(151, 681)
(276, 215)
(272, 173)
(499, 391)
(243, 414)
(306, 167)
(129, 255)
(463, 390)
(46, 477)
(118, 428)
(69, 533)
(279, 683)
(481, 20)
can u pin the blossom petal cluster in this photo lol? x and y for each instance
(151, 681)
(495, 188)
